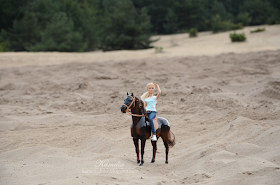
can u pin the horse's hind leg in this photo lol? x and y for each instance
(154, 143)
(166, 151)
(165, 137)
(135, 140)
(143, 142)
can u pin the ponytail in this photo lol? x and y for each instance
(144, 96)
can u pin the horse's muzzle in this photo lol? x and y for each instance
(123, 109)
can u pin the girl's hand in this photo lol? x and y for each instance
(155, 84)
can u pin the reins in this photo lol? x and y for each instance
(129, 108)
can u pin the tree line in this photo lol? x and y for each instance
(87, 25)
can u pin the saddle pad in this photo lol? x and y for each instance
(158, 122)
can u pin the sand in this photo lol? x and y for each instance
(60, 118)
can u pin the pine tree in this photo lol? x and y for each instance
(171, 24)
(60, 35)
(124, 27)
(260, 11)
(25, 32)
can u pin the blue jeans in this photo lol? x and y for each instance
(152, 115)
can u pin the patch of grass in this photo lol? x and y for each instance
(183, 31)
(158, 49)
(219, 25)
(193, 32)
(258, 30)
(4, 43)
(237, 37)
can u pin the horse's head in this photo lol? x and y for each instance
(129, 103)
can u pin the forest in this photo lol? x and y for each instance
(88, 25)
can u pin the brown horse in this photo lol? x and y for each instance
(140, 129)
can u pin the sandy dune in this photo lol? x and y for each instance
(60, 118)
(178, 45)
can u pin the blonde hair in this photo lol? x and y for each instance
(146, 94)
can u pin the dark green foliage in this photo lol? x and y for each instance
(193, 32)
(244, 18)
(171, 24)
(50, 25)
(261, 11)
(9, 11)
(198, 13)
(190, 14)
(237, 37)
(258, 30)
(60, 35)
(218, 8)
(86, 25)
(219, 25)
(124, 27)
(25, 32)
(4, 43)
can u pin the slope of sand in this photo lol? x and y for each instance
(177, 45)
(60, 118)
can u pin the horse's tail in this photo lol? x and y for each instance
(171, 139)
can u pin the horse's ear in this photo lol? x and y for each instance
(127, 93)
(131, 94)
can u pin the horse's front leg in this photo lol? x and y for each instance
(135, 140)
(154, 143)
(143, 142)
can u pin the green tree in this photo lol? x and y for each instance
(244, 18)
(189, 13)
(233, 7)
(4, 42)
(124, 27)
(171, 24)
(120, 24)
(37, 27)
(9, 11)
(219, 25)
(158, 11)
(60, 35)
(25, 32)
(260, 11)
(218, 8)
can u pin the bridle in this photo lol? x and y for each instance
(129, 107)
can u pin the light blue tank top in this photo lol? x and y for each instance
(151, 103)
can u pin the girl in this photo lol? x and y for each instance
(150, 102)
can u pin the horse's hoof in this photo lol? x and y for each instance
(138, 161)
(141, 164)
(152, 161)
(166, 162)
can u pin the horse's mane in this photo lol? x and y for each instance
(141, 105)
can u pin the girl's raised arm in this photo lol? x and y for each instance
(159, 91)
